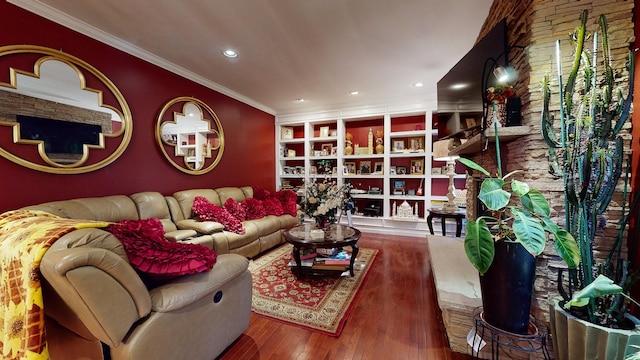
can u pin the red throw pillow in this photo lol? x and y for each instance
(260, 193)
(156, 258)
(272, 206)
(206, 211)
(235, 209)
(254, 209)
(289, 201)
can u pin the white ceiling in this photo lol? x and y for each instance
(319, 50)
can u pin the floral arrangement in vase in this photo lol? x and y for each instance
(323, 199)
(499, 93)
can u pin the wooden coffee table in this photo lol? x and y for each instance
(336, 236)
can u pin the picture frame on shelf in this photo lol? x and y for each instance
(365, 167)
(398, 145)
(291, 153)
(417, 167)
(286, 133)
(333, 132)
(470, 122)
(436, 171)
(392, 170)
(324, 131)
(313, 170)
(401, 170)
(416, 144)
(334, 170)
(326, 149)
(399, 187)
(350, 167)
(378, 168)
(334, 151)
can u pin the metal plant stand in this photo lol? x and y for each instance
(535, 340)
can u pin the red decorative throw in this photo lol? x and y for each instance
(207, 211)
(254, 208)
(235, 209)
(157, 258)
(272, 206)
(289, 200)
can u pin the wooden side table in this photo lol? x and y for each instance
(436, 212)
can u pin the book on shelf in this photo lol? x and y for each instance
(303, 262)
(319, 266)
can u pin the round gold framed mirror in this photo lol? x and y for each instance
(190, 135)
(64, 116)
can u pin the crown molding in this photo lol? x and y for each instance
(81, 27)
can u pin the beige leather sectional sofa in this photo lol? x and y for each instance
(96, 303)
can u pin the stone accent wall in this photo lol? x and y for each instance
(537, 24)
(12, 104)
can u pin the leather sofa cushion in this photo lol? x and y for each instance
(108, 208)
(184, 291)
(202, 227)
(230, 193)
(151, 204)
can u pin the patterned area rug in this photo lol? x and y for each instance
(317, 303)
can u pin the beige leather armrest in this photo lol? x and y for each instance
(180, 235)
(100, 287)
(202, 227)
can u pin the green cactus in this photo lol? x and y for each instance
(589, 149)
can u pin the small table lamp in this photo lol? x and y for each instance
(441, 153)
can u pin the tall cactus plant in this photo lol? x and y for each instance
(588, 152)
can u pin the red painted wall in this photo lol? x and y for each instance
(249, 133)
(635, 147)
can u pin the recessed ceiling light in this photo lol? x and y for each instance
(230, 53)
(355, 92)
(418, 84)
(299, 100)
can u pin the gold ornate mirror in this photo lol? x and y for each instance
(62, 115)
(190, 135)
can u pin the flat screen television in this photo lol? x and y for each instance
(60, 137)
(470, 71)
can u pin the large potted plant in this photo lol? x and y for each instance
(588, 156)
(503, 247)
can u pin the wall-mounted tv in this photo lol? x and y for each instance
(470, 70)
(60, 137)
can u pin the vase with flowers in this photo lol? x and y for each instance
(497, 97)
(323, 199)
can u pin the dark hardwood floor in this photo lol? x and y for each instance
(395, 317)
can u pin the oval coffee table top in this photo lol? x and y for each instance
(335, 235)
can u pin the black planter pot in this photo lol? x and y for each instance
(507, 287)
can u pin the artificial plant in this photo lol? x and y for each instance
(588, 155)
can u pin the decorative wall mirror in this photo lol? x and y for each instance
(59, 114)
(190, 135)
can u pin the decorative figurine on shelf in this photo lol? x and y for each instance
(379, 141)
(348, 149)
(370, 141)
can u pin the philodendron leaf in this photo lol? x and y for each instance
(535, 202)
(473, 165)
(601, 286)
(519, 188)
(478, 245)
(529, 232)
(492, 195)
(566, 245)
